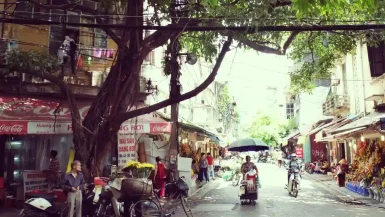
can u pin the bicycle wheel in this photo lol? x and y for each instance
(186, 207)
(145, 208)
(64, 211)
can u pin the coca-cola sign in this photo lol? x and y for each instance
(160, 127)
(12, 127)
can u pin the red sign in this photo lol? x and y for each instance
(299, 152)
(160, 127)
(13, 127)
(34, 116)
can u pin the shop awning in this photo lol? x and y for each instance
(301, 140)
(368, 120)
(285, 141)
(338, 135)
(322, 126)
(35, 116)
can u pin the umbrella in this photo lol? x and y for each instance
(249, 144)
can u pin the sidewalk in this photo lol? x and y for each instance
(342, 193)
(9, 212)
(15, 213)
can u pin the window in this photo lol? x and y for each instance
(289, 110)
(376, 60)
(23, 10)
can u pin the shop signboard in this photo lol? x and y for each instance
(299, 152)
(126, 149)
(34, 180)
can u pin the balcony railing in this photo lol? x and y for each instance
(335, 105)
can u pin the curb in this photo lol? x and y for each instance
(342, 196)
(203, 187)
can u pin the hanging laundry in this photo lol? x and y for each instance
(97, 52)
(67, 51)
(110, 54)
(104, 53)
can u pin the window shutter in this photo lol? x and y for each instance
(376, 60)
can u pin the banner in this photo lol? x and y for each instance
(299, 152)
(126, 150)
(34, 180)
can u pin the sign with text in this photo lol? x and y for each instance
(126, 149)
(299, 152)
(34, 180)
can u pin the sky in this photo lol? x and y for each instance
(248, 74)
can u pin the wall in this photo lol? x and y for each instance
(311, 108)
(318, 149)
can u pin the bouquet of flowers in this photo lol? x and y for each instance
(139, 170)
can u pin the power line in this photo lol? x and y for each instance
(177, 27)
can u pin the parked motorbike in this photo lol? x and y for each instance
(294, 182)
(309, 168)
(42, 205)
(262, 159)
(110, 201)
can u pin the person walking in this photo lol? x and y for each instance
(279, 158)
(160, 176)
(203, 164)
(73, 185)
(210, 168)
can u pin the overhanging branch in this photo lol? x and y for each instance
(264, 48)
(131, 114)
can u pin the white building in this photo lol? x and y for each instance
(201, 109)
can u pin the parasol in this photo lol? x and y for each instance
(248, 144)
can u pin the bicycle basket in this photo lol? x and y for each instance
(182, 185)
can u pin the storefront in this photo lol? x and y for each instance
(143, 139)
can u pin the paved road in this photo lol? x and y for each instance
(221, 199)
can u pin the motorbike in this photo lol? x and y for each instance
(43, 205)
(309, 168)
(294, 182)
(109, 202)
(262, 159)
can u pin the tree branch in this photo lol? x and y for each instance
(131, 114)
(70, 5)
(264, 48)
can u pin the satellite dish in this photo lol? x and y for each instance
(191, 59)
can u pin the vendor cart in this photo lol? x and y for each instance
(248, 192)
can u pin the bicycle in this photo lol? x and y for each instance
(237, 176)
(180, 191)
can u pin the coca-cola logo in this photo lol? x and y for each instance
(161, 128)
(16, 128)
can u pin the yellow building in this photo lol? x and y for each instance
(96, 50)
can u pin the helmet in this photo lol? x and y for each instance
(293, 156)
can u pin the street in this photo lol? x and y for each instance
(220, 199)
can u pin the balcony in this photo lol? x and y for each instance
(336, 104)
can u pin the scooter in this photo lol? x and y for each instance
(309, 168)
(262, 159)
(294, 182)
(42, 205)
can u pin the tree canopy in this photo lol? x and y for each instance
(269, 130)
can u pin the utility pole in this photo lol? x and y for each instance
(173, 49)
